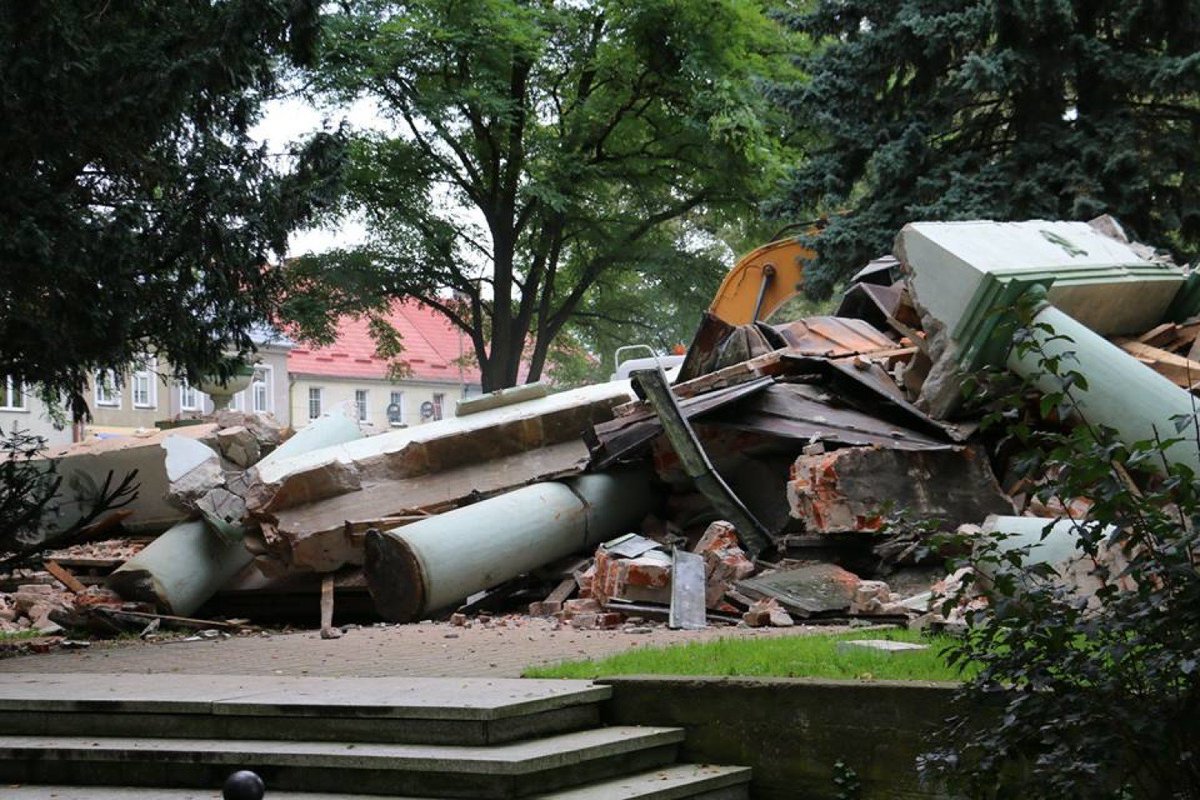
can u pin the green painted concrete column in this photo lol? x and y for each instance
(436, 562)
(1123, 393)
(185, 566)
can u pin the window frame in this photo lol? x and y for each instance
(263, 377)
(107, 393)
(147, 372)
(13, 388)
(439, 406)
(186, 389)
(316, 393)
(360, 404)
(396, 398)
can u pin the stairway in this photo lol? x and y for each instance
(177, 737)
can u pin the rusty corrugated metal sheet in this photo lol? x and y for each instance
(800, 412)
(833, 337)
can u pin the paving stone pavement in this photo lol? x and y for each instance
(503, 649)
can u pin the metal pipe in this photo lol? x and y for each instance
(439, 561)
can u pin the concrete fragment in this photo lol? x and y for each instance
(767, 612)
(239, 445)
(84, 467)
(224, 511)
(853, 489)
(806, 590)
(193, 470)
(881, 646)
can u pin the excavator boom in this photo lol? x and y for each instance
(761, 281)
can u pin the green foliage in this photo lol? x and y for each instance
(548, 160)
(962, 109)
(26, 487)
(30, 493)
(137, 214)
(1100, 692)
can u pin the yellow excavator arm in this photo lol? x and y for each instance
(761, 281)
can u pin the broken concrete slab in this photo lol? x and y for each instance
(239, 445)
(807, 590)
(855, 488)
(193, 469)
(85, 465)
(325, 535)
(884, 647)
(185, 566)
(435, 447)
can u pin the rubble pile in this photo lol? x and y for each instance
(761, 487)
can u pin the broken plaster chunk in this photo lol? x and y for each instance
(193, 470)
(239, 445)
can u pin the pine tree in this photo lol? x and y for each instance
(1004, 109)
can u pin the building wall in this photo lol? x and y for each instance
(166, 402)
(35, 419)
(334, 391)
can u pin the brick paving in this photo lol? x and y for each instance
(503, 649)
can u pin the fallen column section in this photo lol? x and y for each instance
(1081, 284)
(434, 563)
(185, 566)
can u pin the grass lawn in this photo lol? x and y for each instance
(809, 656)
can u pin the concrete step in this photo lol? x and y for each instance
(677, 782)
(381, 710)
(496, 772)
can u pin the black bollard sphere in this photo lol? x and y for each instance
(243, 785)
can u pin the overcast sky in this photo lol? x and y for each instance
(294, 118)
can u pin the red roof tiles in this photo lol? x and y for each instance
(433, 349)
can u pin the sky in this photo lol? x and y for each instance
(293, 118)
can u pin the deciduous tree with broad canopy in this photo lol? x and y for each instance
(1004, 109)
(540, 150)
(137, 214)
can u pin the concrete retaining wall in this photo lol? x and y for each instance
(793, 731)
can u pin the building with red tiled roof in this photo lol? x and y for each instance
(438, 363)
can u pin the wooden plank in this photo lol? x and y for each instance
(65, 577)
(562, 591)
(327, 629)
(1179, 370)
(1160, 335)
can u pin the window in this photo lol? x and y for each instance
(143, 385)
(314, 402)
(396, 415)
(360, 402)
(189, 398)
(260, 391)
(106, 389)
(12, 394)
(439, 400)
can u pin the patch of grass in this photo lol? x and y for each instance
(801, 656)
(16, 636)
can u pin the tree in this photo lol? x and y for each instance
(1006, 109)
(1096, 691)
(539, 151)
(137, 215)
